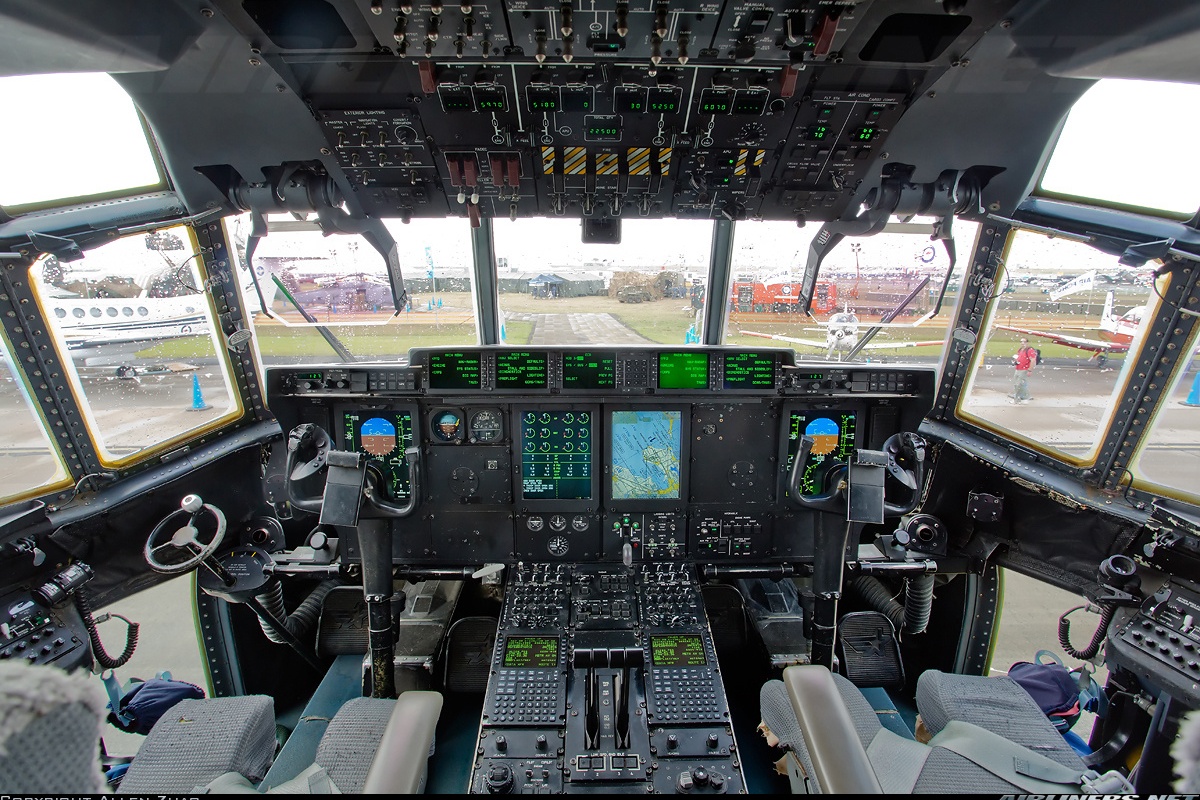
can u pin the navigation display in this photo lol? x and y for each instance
(531, 652)
(556, 454)
(749, 371)
(589, 371)
(677, 650)
(382, 436)
(454, 370)
(833, 434)
(646, 454)
(683, 370)
(518, 370)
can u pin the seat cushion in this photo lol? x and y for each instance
(997, 704)
(351, 741)
(199, 740)
(50, 725)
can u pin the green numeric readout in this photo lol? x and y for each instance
(531, 652)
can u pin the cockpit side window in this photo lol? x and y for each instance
(1168, 460)
(29, 462)
(146, 381)
(1101, 155)
(100, 150)
(1054, 356)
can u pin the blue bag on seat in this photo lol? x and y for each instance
(136, 708)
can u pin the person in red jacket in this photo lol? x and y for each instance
(1023, 363)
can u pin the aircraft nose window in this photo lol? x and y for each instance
(146, 379)
(555, 289)
(1055, 351)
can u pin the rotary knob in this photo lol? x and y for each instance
(499, 779)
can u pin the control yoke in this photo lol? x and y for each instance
(906, 463)
(310, 450)
(835, 483)
(352, 485)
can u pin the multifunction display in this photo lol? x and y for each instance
(683, 370)
(531, 652)
(382, 436)
(589, 370)
(556, 454)
(677, 650)
(518, 370)
(454, 370)
(833, 434)
(646, 454)
(749, 371)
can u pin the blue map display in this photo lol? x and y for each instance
(645, 455)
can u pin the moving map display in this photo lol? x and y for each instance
(833, 434)
(382, 436)
(646, 454)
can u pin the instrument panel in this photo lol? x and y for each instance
(560, 455)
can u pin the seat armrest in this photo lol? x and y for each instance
(838, 756)
(401, 761)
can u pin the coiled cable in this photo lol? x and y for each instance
(98, 652)
(1089, 652)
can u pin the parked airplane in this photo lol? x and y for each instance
(86, 322)
(1116, 332)
(842, 333)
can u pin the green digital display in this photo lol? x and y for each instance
(817, 133)
(556, 454)
(749, 371)
(750, 102)
(716, 101)
(677, 650)
(454, 371)
(629, 100)
(865, 134)
(531, 652)
(491, 99)
(310, 376)
(589, 371)
(518, 370)
(382, 435)
(543, 98)
(579, 100)
(602, 128)
(664, 100)
(683, 370)
(456, 98)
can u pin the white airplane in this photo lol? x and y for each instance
(1116, 332)
(94, 321)
(842, 335)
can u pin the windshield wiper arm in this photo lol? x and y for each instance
(326, 334)
(891, 315)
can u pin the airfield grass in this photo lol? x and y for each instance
(663, 321)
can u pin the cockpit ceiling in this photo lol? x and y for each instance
(676, 109)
